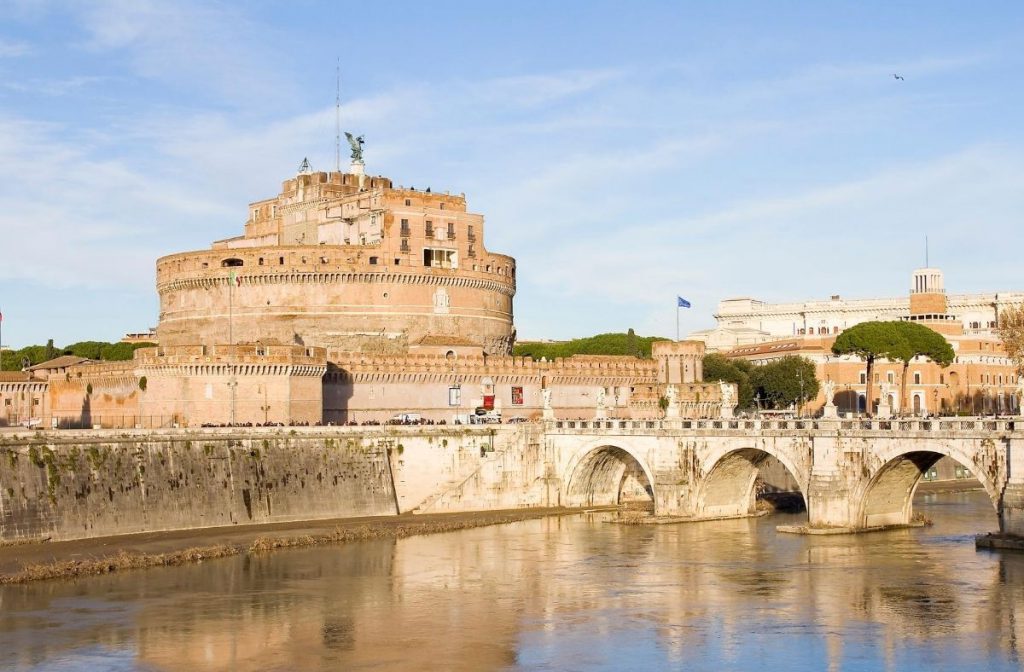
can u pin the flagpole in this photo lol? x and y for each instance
(677, 320)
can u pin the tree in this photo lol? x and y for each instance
(785, 382)
(1011, 333)
(628, 344)
(919, 341)
(51, 351)
(870, 341)
(719, 367)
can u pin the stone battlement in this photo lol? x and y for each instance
(233, 355)
(321, 265)
(355, 364)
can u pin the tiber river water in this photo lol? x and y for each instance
(570, 593)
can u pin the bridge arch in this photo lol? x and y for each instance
(599, 473)
(730, 473)
(887, 496)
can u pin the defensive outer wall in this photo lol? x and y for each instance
(854, 475)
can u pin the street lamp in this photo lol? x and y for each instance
(800, 408)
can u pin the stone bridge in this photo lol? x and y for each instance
(853, 474)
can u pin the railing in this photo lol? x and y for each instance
(920, 425)
(89, 421)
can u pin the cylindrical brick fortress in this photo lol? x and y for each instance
(331, 298)
(392, 270)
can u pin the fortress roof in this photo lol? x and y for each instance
(61, 362)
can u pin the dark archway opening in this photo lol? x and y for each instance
(749, 482)
(609, 476)
(922, 476)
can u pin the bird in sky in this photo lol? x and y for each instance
(899, 77)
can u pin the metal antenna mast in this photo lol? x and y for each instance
(337, 118)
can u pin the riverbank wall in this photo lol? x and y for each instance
(80, 484)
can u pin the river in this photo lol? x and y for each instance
(565, 593)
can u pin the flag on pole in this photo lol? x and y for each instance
(234, 279)
(683, 303)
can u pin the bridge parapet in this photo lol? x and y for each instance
(910, 428)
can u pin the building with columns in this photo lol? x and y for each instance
(748, 321)
(981, 380)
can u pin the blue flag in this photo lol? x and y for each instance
(683, 303)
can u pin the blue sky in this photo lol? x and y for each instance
(624, 153)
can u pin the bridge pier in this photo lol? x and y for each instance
(673, 494)
(1011, 506)
(828, 501)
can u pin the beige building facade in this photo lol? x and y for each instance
(748, 321)
(982, 379)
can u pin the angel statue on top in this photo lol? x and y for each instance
(356, 143)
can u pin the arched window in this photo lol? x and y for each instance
(233, 261)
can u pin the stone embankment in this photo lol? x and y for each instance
(83, 484)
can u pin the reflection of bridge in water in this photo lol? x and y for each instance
(853, 474)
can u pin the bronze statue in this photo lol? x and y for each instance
(357, 146)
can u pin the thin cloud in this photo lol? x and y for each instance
(14, 48)
(185, 44)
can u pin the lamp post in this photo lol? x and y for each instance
(800, 407)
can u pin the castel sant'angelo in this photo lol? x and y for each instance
(346, 261)
(348, 299)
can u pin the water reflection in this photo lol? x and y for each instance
(558, 593)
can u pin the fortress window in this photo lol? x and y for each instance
(232, 262)
(373, 261)
(451, 230)
(408, 202)
(398, 262)
(324, 260)
(469, 234)
(430, 229)
(280, 261)
(405, 245)
(488, 269)
(261, 261)
(440, 258)
(405, 227)
(206, 265)
(917, 378)
(442, 206)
